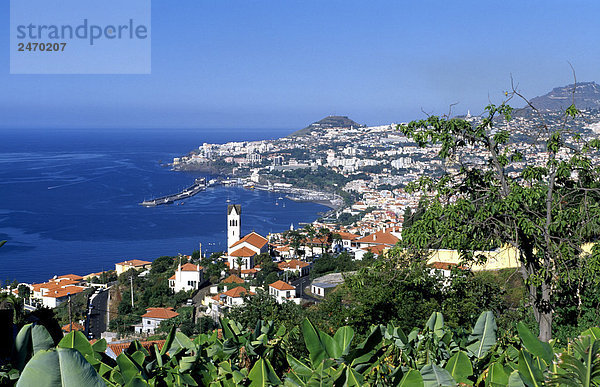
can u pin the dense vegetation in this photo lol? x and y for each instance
(430, 355)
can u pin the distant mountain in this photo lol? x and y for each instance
(328, 122)
(587, 96)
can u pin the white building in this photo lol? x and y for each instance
(235, 296)
(242, 250)
(152, 319)
(187, 277)
(234, 225)
(282, 291)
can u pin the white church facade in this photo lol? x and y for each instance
(242, 250)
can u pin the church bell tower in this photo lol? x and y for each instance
(234, 224)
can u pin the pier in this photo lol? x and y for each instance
(199, 185)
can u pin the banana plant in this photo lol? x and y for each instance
(579, 365)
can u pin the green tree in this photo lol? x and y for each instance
(24, 291)
(546, 211)
(263, 306)
(162, 265)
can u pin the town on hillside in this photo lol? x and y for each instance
(301, 266)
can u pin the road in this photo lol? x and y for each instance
(97, 313)
(301, 284)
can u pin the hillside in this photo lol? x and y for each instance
(328, 122)
(587, 96)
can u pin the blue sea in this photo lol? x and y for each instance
(69, 200)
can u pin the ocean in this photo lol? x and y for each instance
(69, 200)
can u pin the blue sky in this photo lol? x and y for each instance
(286, 63)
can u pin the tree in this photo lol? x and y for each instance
(162, 265)
(24, 291)
(491, 195)
(310, 231)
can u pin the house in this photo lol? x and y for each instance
(152, 319)
(387, 237)
(186, 277)
(322, 286)
(282, 291)
(347, 240)
(53, 296)
(235, 296)
(135, 264)
(295, 265)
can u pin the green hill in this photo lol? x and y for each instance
(328, 122)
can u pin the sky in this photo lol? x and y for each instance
(286, 63)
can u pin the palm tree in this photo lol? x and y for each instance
(324, 234)
(310, 235)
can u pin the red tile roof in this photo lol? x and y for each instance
(160, 313)
(254, 239)
(293, 264)
(118, 348)
(280, 285)
(380, 237)
(233, 279)
(376, 249)
(446, 266)
(134, 262)
(63, 292)
(237, 292)
(347, 235)
(172, 277)
(76, 327)
(243, 252)
(191, 267)
(73, 277)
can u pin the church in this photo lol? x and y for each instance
(240, 249)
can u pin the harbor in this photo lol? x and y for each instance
(198, 186)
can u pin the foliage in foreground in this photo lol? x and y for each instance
(428, 356)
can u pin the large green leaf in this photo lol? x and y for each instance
(312, 339)
(593, 332)
(529, 371)
(64, 367)
(299, 367)
(364, 352)
(411, 379)
(460, 367)
(496, 376)
(332, 349)
(78, 341)
(514, 380)
(343, 337)
(483, 336)
(535, 345)
(435, 376)
(128, 368)
(181, 342)
(169, 340)
(30, 340)
(353, 378)
(436, 324)
(262, 374)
